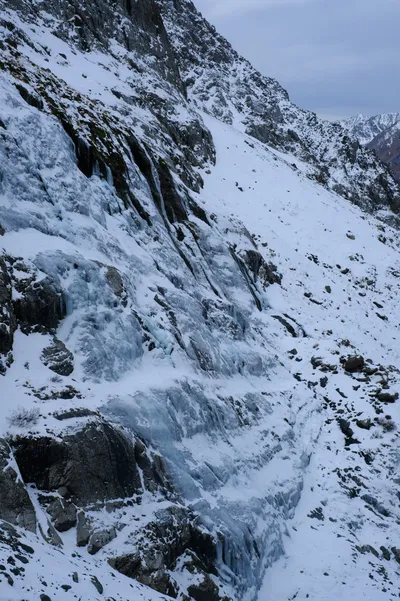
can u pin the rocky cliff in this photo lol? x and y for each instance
(225, 85)
(197, 316)
(386, 145)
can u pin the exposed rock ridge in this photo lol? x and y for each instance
(224, 84)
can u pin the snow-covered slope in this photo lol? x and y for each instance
(179, 302)
(225, 85)
(340, 282)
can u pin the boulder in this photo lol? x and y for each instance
(396, 553)
(83, 529)
(100, 539)
(387, 397)
(354, 364)
(364, 424)
(58, 358)
(63, 514)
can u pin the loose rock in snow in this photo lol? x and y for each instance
(354, 364)
(83, 529)
(387, 397)
(100, 539)
(63, 514)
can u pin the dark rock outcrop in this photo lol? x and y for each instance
(41, 306)
(15, 504)
(153, 472)
(174, 534)
(8, 323)
(58, 358)
(207, 590)
(354, 364)
(95, 464)
(83, 529)
(173, 201)
(31, 99)
(265, 272)
(345, 427)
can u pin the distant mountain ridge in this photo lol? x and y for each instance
(380, 133)
(365, 128)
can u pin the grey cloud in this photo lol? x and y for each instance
(336, 57)
(230, 7)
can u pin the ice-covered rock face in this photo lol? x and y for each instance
(196, 273)
(178, 305)
(174, 296)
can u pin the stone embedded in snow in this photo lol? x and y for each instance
(354, 364)
(83, 529)
(96, 582)
(100, 539)
(387, 397)
(364, 424)
(63, 514)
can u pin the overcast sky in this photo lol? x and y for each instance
(335, 57)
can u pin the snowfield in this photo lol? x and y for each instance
(316, 236)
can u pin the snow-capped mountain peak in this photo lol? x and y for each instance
(365, 129)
